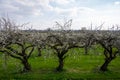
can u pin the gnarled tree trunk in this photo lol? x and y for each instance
(26, 65)
(39, 52)
(105, 65)
(86, 50)
(61, 64)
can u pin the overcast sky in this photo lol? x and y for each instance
(42, 14)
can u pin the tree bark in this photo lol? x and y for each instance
(86, 50)
(105, 65)
(39, 52)
(60, 66)
(26, 65)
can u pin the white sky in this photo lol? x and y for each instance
(42, 14)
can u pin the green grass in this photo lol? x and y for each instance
(77, 66)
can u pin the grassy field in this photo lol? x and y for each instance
(77, 66)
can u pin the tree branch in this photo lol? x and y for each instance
(30, 52)
(5, 51)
